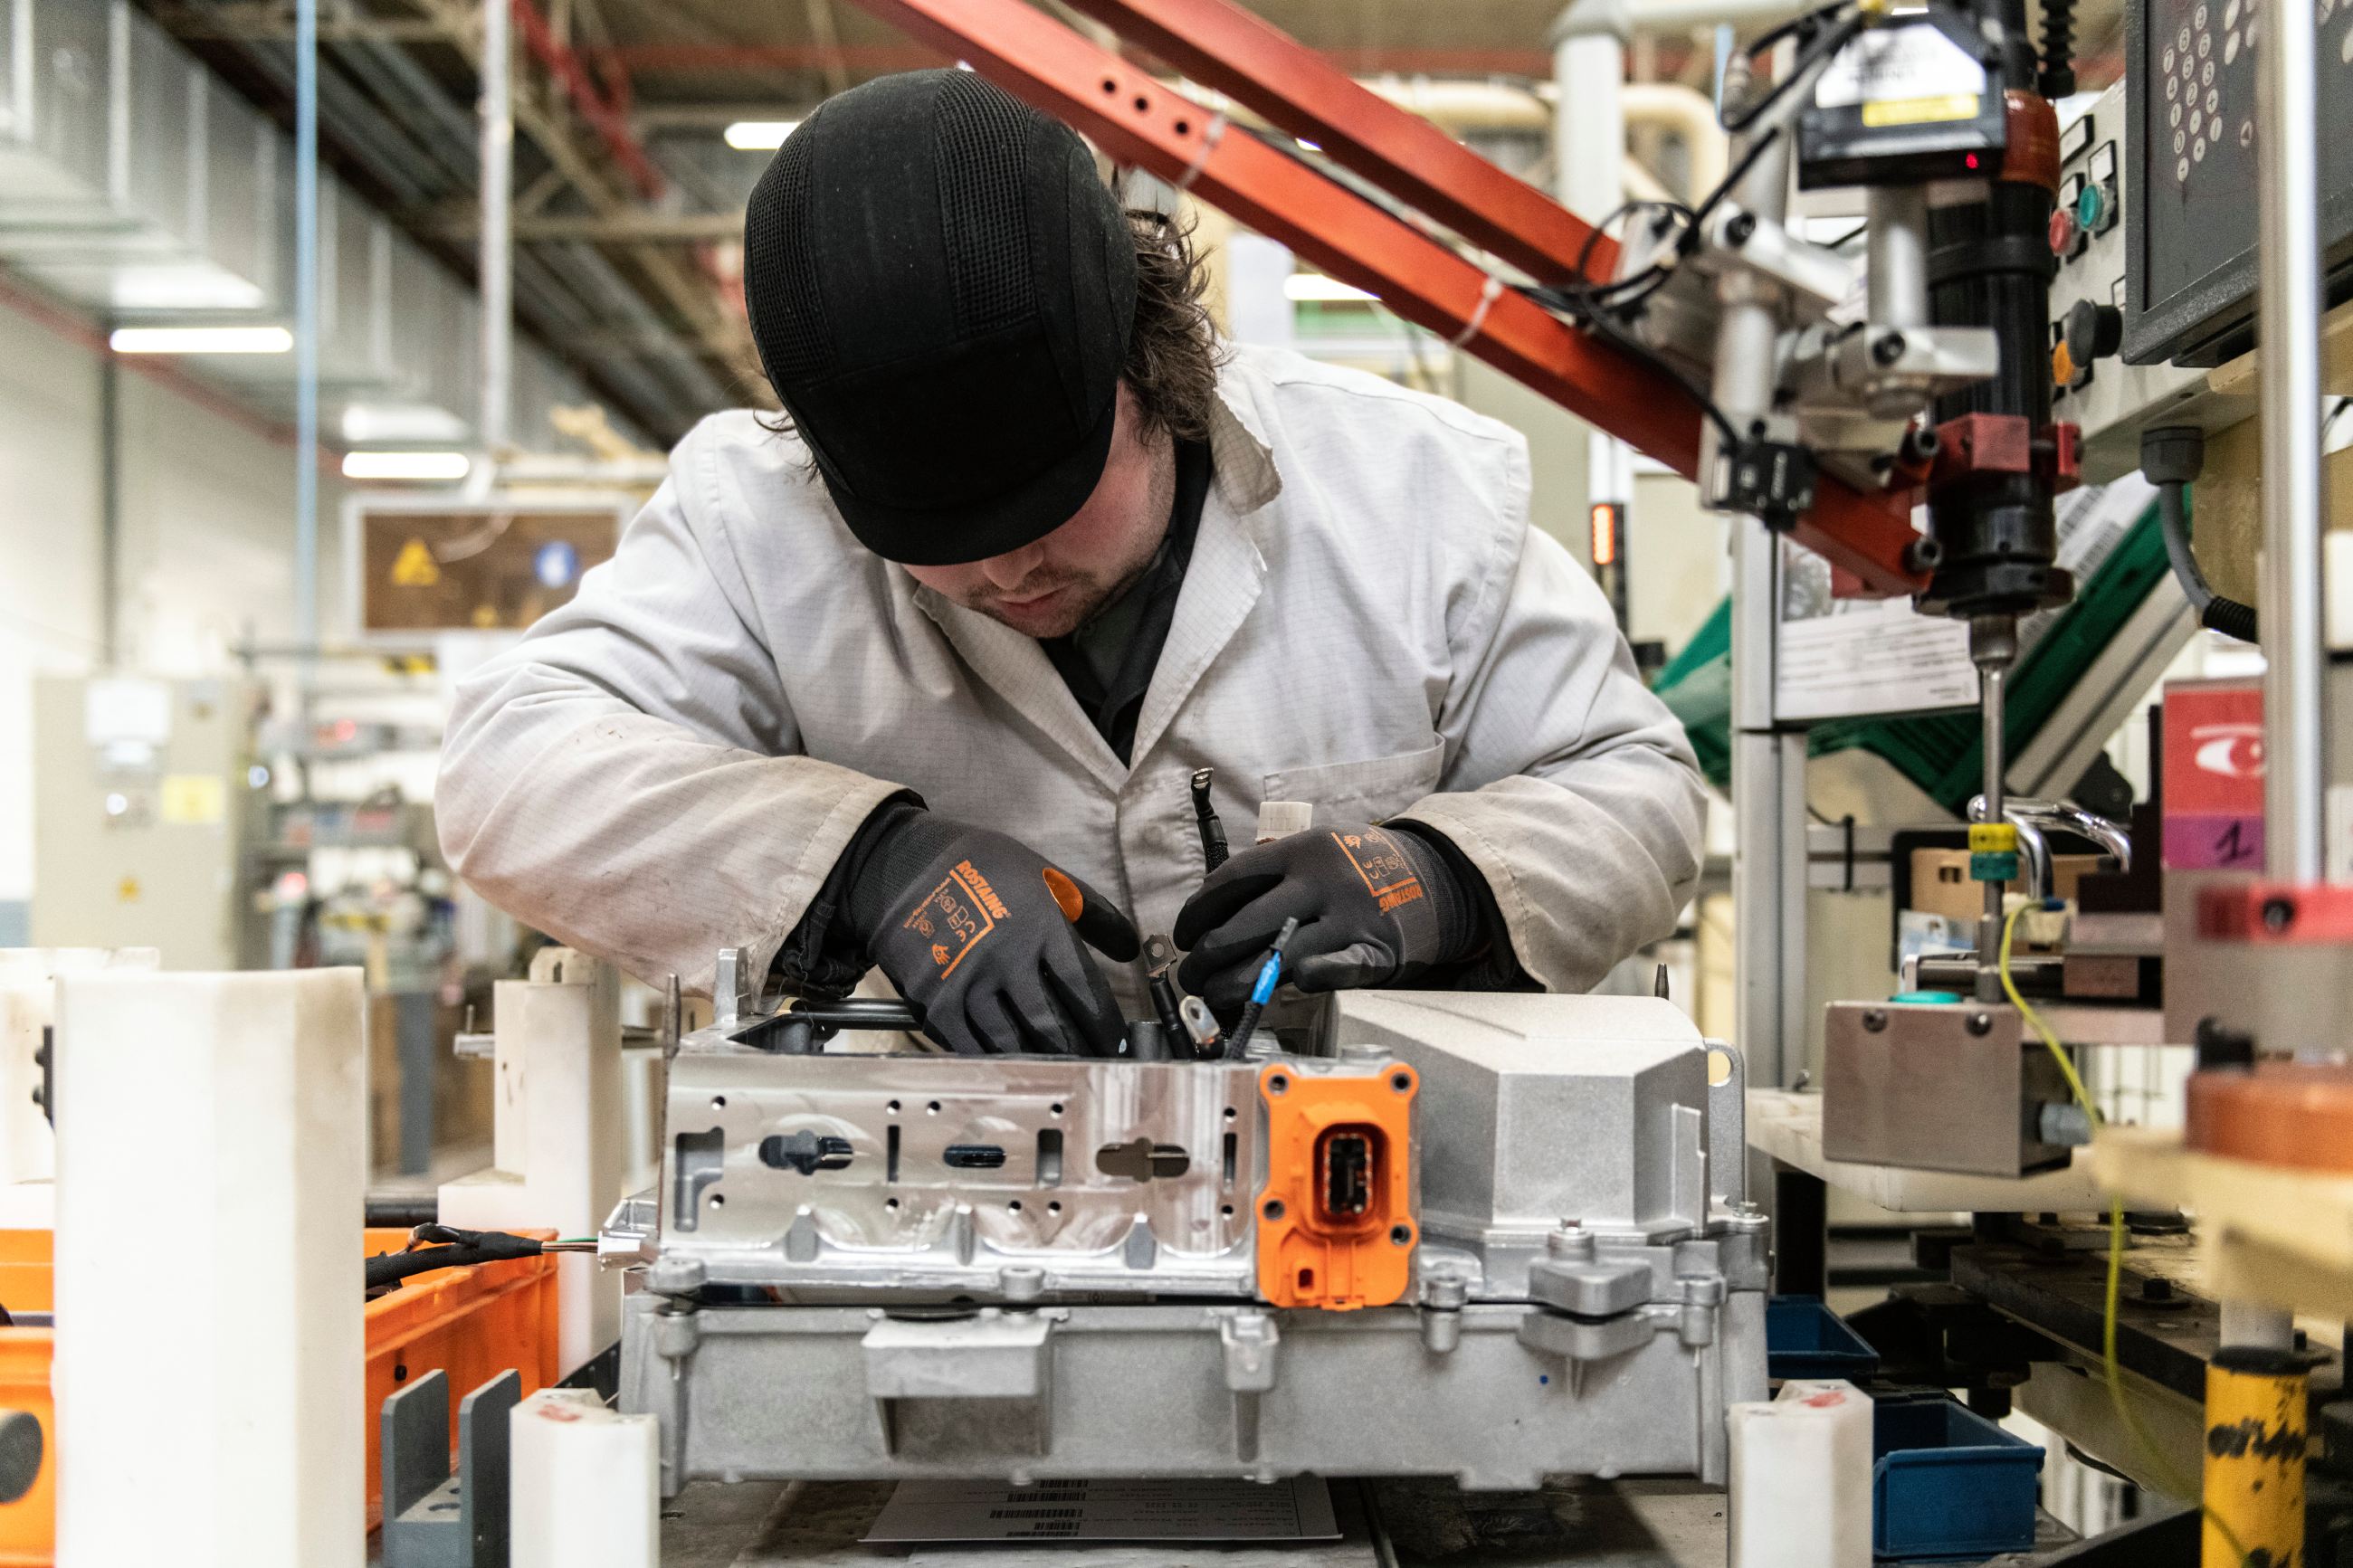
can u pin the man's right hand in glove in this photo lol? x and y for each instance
(985, 935)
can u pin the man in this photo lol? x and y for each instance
(916, 677)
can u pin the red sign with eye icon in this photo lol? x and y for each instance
(2214, 775)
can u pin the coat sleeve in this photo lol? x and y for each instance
(1568, 785)
(626, 778)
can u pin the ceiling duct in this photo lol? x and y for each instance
(134, 183)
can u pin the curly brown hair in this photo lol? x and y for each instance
(1173, 352)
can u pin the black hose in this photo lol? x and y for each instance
(2171, 458)
(2215, 612)
(2229, 617)
(2056, 78)
(461, 1249)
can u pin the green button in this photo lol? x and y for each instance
(2092, 208)
(1995, 868)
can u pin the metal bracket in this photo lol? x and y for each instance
(433, 1518)
(1590, 1290)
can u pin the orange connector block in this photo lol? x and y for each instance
(1336, 1227)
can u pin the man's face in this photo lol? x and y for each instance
(1051, 587)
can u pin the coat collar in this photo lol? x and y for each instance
(1221, 584)
(1013, 665)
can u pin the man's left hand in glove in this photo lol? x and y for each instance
(1376, 906)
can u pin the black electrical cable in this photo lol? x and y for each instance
(1238, 1040)
(455, 1248)
(1816, 54)
(1796, 24)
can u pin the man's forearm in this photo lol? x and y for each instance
(1585, 863)
(631, 838)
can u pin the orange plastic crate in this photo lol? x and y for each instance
(470, 1324)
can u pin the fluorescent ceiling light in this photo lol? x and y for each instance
(760, 135)
(406, 465)
(1316, 288)
(181, 286)
(365, 423)
(201, 340)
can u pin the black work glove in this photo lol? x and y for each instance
(983, 933)
(1376, 906)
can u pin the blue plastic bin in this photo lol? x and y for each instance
(1804, 1339)
(1947, 1482)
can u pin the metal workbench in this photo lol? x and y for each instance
(1384, 1525)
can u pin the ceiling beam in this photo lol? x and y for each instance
(632, 226)
(248, 20)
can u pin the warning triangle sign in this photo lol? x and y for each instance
(415, 567)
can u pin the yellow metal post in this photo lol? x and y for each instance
(2255, 1439)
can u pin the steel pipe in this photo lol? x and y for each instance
(2289, 365)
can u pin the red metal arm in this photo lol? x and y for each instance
(1244, 56)
(1132, 116)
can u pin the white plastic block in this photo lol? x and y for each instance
(586, 1484)
(210, 1348)
(28, 992)
(561, 1140)
(1802, 1478)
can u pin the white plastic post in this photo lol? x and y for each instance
(560, 1144)
(210, 1352)
(1802, 1478)
(585, 1484)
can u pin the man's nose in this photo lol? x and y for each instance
(1010, 569)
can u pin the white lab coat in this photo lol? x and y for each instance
(670, 763)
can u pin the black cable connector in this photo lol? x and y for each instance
(1204, 818)
(1270, 975)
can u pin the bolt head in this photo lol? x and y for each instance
(2278, 914)
(1741, 226)
(1874, 1019)
(1887, 350)
(1981, 1022)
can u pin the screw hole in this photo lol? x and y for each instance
(1184, 128)
(1013, 1206)
(1402, 1083)
(1141, 103)
(400, 1372)
(1277, 1084)
(892, 1204)
(1226, 1210)
(718, 1103)
(1273, 1209)
(1232, 1113)
(932, 1109)
(719, 1200)
(1110, 85)
(892, 1108)
(1053, 1208)
(1056, 1108)
(1401, 1234)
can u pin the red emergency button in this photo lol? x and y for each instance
(2063, 229)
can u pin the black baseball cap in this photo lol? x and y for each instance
(941, 288)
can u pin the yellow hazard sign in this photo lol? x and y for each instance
(415, 567)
